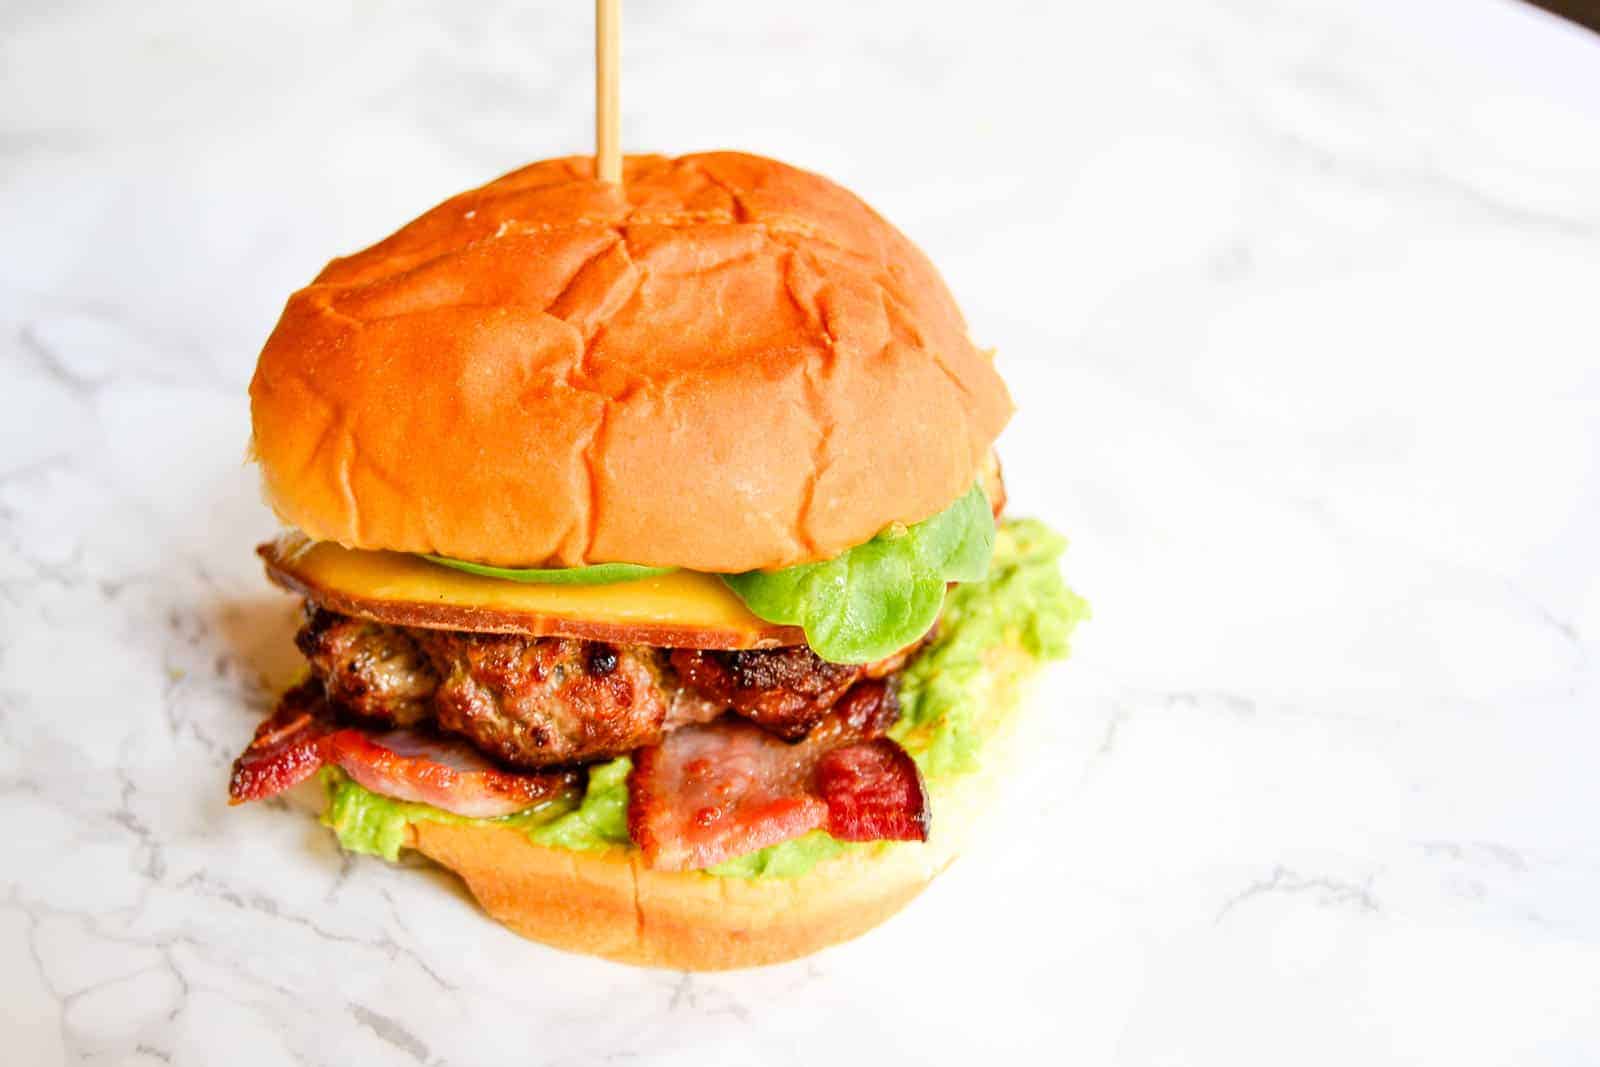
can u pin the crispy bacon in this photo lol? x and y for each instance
(450, 775)
(709, 793)
(873, 793)
(288, 747)
(302, 735)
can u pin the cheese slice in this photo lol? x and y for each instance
(683, 609)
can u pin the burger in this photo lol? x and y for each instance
(650, 542)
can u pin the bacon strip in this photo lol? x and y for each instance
(301, 735)
(709, 793)
(450, 775)
(289, 746)
(873, 793)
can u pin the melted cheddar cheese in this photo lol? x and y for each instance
(681, 609)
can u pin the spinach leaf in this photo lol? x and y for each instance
(878, 597)
(599, 574)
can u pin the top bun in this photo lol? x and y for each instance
(725, 364)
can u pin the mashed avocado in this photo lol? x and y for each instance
(944, 718)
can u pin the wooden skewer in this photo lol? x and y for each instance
(607, 125)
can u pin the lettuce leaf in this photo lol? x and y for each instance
(873, 600)
(599, 574)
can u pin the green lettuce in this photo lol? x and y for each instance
(943, 691)
(599, 574)
(879, 597)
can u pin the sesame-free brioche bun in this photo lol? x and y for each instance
(610, 904)
(724, 364)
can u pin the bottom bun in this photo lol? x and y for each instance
(610, 904)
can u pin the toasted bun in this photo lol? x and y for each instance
(725, 364)
(609, 904)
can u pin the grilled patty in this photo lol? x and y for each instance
(371, 670)
(786, 691)
(533, 702)
(537, 701)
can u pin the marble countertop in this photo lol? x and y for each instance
(1301, 302)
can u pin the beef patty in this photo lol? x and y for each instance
(535, 702)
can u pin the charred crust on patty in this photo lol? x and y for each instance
(535, 702)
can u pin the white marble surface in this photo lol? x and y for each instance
(1302, 304)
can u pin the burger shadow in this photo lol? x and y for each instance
(257, 638)
(257, 634)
